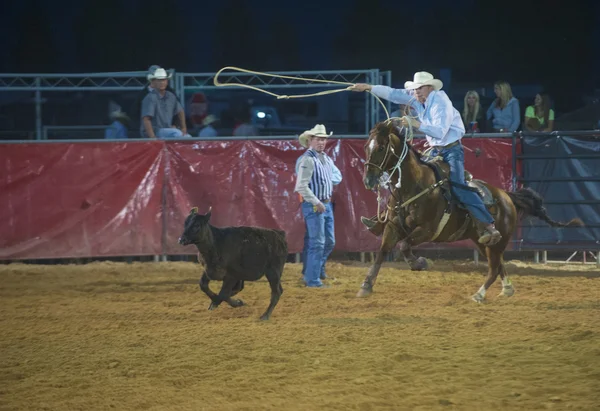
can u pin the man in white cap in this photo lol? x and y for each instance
(444, 129)
(159, 107)
(317, 174)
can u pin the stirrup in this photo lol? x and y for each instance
(490, 238)
(368, 222)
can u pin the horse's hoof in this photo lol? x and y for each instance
(478, 298)
(365, 290)
(420, 264)
(507, 291)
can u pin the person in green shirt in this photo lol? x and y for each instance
(540, 117)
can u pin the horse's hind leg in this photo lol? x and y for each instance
(495, 268)
(508, 290)
(390, 238)
(274, 277)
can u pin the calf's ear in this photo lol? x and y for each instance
(208, 213)
(194, 210)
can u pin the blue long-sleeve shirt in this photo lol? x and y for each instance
(115, 131)
(440, 121)
(507, 118)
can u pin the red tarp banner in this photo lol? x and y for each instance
(107, 199)
(60, 200)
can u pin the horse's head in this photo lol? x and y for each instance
(382, 151)
(196, 227)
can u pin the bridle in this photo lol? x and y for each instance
(389, 150)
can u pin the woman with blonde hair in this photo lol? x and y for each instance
(539, 117)
(472, 115)
(504, 112)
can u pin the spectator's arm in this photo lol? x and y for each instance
(550, 122)
(181, 117)
(147, 120)
(148, 111)
(529, 113)
(516, 116)
(490, 111)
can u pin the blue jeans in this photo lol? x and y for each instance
(305, 249)
(321, 240)
(169, 133)
(455, 157)
(304, 255)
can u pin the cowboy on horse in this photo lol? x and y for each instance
(444, 129)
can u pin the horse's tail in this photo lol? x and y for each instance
(528, 202)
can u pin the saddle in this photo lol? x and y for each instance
(441, 169)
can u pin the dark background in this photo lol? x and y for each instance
(555, 44)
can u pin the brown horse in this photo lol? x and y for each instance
(418, 211)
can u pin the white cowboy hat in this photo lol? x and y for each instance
(423, 78)
(317, 131)
(209, 120)
(159, 74)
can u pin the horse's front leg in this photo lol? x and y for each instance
(390, 239)
(419, 235)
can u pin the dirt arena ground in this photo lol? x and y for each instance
(112, 336)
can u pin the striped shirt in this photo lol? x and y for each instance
(316, 177)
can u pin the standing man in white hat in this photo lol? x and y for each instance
(317, 174)
(444, 129)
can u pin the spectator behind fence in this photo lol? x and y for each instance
(119, 126)
(504, 112)
(472, 115)
(208, 130)
(158, 109)
(539, 117)
(136, 109)
(245, 128)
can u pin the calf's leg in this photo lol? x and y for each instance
(204, 280)
(274, 277)
(239, 286)
(225, 294)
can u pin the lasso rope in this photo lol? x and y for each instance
(409, 135)
(217, 83)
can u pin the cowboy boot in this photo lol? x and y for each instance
(374, 226)
(488, 234)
